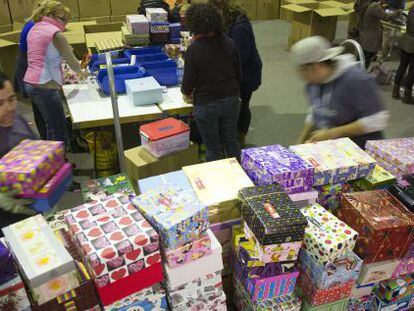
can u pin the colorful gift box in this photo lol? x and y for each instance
(405, 304)
(326, 237)
(207, 288)
(176, 213)
(304, 199)
(160, 28)
(343, 269)
(385, 226)
(396, 289)
(380, 179)
(329, 196)
(156, 14)
(226, 175)
(83, 297)
(114, 239)
(29, 165)
(377, 271)
(361, 304)
(359, 291)
(148, 299)
(13, 296)
(275, 164)
(101, 188)
(216, 304)
(341, 305)
(137, 24)
(273, 252)
(196, 269)
(274, 219)
(7, 269)
(177, 178)
(45, 264)
(405, 266)
(317, 297)
(190, 251)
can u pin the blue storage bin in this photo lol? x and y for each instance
(167, 64)
(165, 77)
(121, 74)
(97, 65)
(100, 59)
(143, 51)
(151, 58)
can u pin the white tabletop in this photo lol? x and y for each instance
(88, 107)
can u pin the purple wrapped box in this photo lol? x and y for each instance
(275, 164)
(7, 270)
(29, 165)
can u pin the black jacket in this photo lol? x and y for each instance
(243, 36)
(173, 16)
(407, 39)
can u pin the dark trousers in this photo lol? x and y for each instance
(368, 58)
(217, 123)
(245, 114)
(406, 61)
(48, 108)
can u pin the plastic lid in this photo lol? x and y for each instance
(163, 128)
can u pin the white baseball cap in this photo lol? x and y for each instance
(314, 50)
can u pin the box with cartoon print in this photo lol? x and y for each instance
(396, 289)
(377, 271)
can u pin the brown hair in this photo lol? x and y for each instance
(48, 8)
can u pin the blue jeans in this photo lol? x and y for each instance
(217, 123)
(49, 103)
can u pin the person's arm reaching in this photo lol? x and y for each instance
(307, 128)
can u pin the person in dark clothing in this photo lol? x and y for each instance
(344, 101)
(173, 15)
(406, 61)
(241, 31)
(13, 129)
(211, 80)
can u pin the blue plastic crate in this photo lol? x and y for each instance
(121, 74)
(165, 77)
(143, 51)
(97, 60)
(167, 64)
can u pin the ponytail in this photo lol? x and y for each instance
(48, 8)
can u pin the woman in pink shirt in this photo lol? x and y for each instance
(46, 47)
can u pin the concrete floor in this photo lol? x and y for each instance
(279, 106)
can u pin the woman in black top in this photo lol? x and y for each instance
(240, 30)
(211, 79)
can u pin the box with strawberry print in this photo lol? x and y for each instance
(114, 239)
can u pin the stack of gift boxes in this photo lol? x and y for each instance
(136, 30)
(328, 266)
(36, 170)
(191, 253)
(386, 231)
(159, 26)
(266, 250)
(335, 162)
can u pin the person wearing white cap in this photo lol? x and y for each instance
(344, 101)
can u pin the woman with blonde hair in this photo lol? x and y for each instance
(46, 47)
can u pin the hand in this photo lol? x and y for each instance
(188, 99)
(11, 204)
(320, 135)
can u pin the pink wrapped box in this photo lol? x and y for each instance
(188, 252)
(114, 238)
(405, 266)
(29, 165)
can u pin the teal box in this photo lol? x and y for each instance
(144, 91)
(341, 305)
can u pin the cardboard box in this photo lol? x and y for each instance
(287, 14)
(73, 7)
(326, 237)
(118, 18)
(21, 9)
(197, 269)
(144, 91)
(343, 269)
(175, 212)
(249, 6)
(75, 32)
(267, 9)
(384, 224)
(377, 272)
(124, 7)
(94, 8)
(5, 18)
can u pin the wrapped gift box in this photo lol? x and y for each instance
(326, 237)
(359, 291)
(405, 266)
(160, 28)
(380, 179)
(377, 272)
(115, 239)
(177, 178)
(340, 305)
(144, 91)
(385, 226)
(190, 251)
(361, 304)
(131, 39)
(396, 289)
(101, 188)
(45, 264)
(258, 191)
(13, 296)
(226, 175)
(197, 269)
(148, 299)
(206, 289)
(156, 14)
(216, 304)
(343, 269)
(83, 297)
(405, 304)
(137, 24)
(329, 196)
(273, 252)
(176, 213)
(175, 29)
(304, 199)
(7, 269)
(29, 165)
(317, 297)
(274, 219)
(275, 164)
(398, 152)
